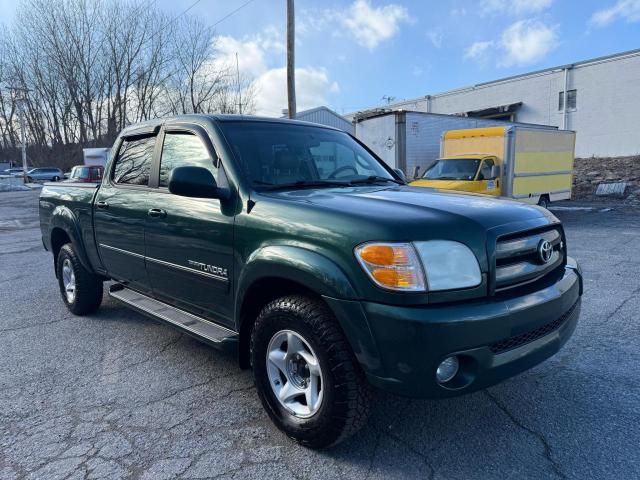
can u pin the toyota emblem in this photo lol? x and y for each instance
(545, 249)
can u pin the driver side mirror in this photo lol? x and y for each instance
(195, 182)
(400, 173)
(495, 171)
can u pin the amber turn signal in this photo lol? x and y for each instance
(393, 266)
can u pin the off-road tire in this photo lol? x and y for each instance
(347, 396)
(88, 291)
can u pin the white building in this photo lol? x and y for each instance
(325, 116)
(603, 102)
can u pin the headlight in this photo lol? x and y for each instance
(394, 266)
(449, 265)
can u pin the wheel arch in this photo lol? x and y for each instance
(65, 228)
(276, 271)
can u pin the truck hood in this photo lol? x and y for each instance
(395, 206)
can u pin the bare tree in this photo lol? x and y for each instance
(91, 67)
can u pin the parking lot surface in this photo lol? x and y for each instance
(116, 395)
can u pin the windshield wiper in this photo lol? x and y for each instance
(375, 178)
(307, 184)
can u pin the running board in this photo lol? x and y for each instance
(200, 328)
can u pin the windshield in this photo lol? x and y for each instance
(453, 169)
(278, 154)
(80, 172)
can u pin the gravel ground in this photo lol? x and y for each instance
(115, 395)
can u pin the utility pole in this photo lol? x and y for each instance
(239, 90)
(19, 96)
(291, 50)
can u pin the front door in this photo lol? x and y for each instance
(487, 184)
(120, 213)
(189, 241)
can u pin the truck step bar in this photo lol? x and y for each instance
(193, 325)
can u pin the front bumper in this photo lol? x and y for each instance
(494, 340)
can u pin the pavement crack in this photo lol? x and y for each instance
(625, 301)
(543, 441)
(163, 349)
(404, 443)
(34, 325)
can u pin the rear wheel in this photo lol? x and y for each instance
(543, 201)
(80, 289)
(306, 375)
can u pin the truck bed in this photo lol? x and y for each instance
(70, 200)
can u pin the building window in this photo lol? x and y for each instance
(572, 100)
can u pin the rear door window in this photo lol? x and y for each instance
(133, 162)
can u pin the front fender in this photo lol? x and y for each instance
(321, 275)
(297, 264)
(63, 218)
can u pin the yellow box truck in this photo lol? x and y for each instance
(531, 164)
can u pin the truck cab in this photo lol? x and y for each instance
(475, 173)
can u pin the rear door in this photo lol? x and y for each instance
(120, 212)
(189, 241)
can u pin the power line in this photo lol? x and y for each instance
(232, 13)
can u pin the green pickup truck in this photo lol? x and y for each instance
(295, 247)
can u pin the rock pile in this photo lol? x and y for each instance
(591, 172)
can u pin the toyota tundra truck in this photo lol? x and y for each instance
(294, 246)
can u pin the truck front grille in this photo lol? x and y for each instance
(520, 259)
(528, 337)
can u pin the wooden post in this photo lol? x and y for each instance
(291, 48)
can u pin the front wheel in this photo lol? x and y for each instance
(306, 375)
(81, 290)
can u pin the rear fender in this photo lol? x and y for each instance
(63, 218)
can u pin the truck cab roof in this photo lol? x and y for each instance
(150, 126)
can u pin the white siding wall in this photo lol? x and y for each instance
(325, 117)
(379, 134)
(607, 117)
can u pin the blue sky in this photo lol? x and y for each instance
(352, 53)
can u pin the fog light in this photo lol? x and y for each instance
(447, 369)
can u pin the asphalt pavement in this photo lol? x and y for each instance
(116, 395)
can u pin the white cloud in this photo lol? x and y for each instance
(313, 88)
(259, 57)
(478, 50)
(372, 25)
(623, 9)
(527, 41)
(522, 43)
(252, 51)
(435, 37)
(514, 6)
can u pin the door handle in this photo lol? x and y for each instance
(102, 205)
(156, 213)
